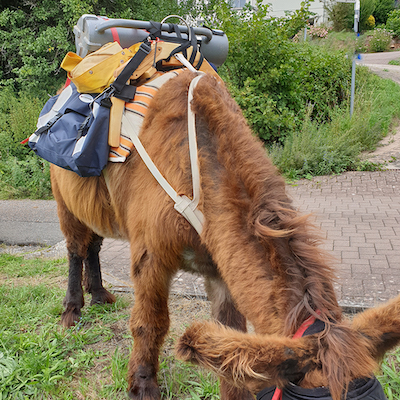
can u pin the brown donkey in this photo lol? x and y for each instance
(259, 257)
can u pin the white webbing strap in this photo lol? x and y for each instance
(181, 58)
(185, 206)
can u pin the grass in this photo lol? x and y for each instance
(390, 377)
(39, 359)
(345, 41)
(394, 62)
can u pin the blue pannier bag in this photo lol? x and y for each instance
(73, 127)
(73, 131)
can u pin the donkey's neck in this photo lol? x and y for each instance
(267, 255)
(270, 288)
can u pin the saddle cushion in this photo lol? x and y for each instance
(136, 110)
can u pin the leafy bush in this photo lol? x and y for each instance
(29, 178)
(393, 22)
(340, 14)
(273, 78)
(370, 22)
(18, 118)
(23, 174)
(380, 40)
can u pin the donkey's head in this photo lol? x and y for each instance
(341, 353)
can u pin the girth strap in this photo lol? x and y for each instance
(185, 206)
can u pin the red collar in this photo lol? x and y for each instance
(300, 332)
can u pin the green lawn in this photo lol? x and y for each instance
(39, 359)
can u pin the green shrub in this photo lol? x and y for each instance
(274, 78)
(18, 118)
(268, 120)
(314, 150)
(393, 22)
(29, 178)
(22, 173)
(306, 75)
(341, 15)
(380, 40)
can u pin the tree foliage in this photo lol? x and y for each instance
(393, 22)
(37, 34)
(382, 10)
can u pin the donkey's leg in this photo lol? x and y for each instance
(92, 278)
(73, 300)
(224, 311)
(78, 237)
(149, 324)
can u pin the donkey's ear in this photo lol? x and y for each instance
(251, 361)
(381, 327)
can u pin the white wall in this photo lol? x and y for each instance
(280, 6)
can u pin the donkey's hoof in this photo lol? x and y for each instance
(103, 296)
(70, 317)
(144, 385)
(141, 391)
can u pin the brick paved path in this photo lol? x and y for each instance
(359, 213)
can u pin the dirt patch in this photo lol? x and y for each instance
(387, 153)
(51, 281)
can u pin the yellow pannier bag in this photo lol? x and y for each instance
(95, 72)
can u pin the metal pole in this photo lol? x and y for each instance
(353, 81)
(353, 67)
(305, 33)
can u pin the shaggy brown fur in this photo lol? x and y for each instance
(260, 258)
